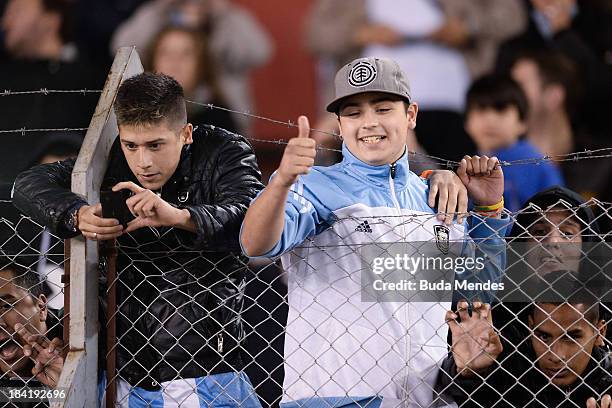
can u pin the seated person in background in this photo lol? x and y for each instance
(183, 53)
(560, 363)
(27, 356)
(496, 119)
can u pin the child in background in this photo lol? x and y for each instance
(496, 119)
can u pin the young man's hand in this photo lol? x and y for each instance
(46, 355)
(605, 402)
(93, 226)
(451, 194)
(299, 156)
(475, 343)
(150, 209)
(483, 178)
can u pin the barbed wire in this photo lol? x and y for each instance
(25, 130)
(45, 91)
(601, 153)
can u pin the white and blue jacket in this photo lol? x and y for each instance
(335, 344)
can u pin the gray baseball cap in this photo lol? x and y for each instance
(369, 75)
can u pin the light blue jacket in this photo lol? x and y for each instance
(387, 349)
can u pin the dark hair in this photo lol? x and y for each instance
(555, 68)
(65, 9)
(568, 287)
(25, 278)
(498, 92)
(149, 99)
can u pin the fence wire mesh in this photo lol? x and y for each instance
(32, 313)
(313, 324)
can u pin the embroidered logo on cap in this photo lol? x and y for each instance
(362, 74)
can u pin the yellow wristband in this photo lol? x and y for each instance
(490, 208)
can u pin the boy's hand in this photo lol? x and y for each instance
(93, 226)
(605, 402)
(298, 157)
(483, 178)
(475, 343)
(451, 194)
(45, 353)
(149, 209)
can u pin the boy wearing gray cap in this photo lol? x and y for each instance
(339, 350)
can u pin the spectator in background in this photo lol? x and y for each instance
(441, 45)
(496, 119)
(581, 30)
(550, 81)
(37, 35)
(182, 53)
(237, 42)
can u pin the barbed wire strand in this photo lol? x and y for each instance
(573, 156)
(45, 91)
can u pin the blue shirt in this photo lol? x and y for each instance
(522, 181)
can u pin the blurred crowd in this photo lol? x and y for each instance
(519, 79)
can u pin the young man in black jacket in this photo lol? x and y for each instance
(179, 285)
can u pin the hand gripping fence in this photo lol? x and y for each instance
(357, 314)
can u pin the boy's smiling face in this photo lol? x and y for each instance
(563, 339)
(374, 126)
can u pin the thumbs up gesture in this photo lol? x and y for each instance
(299, 155)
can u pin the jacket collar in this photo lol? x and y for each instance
(378, 175)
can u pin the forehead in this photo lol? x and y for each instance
(558, 216)
(7, 286)
(558, 317)
(525, 68)
(367, 98)
(177, 36)
(146, 134)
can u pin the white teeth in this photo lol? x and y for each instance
(371, 139)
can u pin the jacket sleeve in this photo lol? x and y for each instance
(488, 244)
(235, 182)
(43, 193)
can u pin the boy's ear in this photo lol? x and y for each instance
(41, 302)
(188, 134)
(601, 333)
(530, 321)
(412, 112)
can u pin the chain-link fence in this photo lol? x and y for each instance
(357, 314)
(33, 272)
